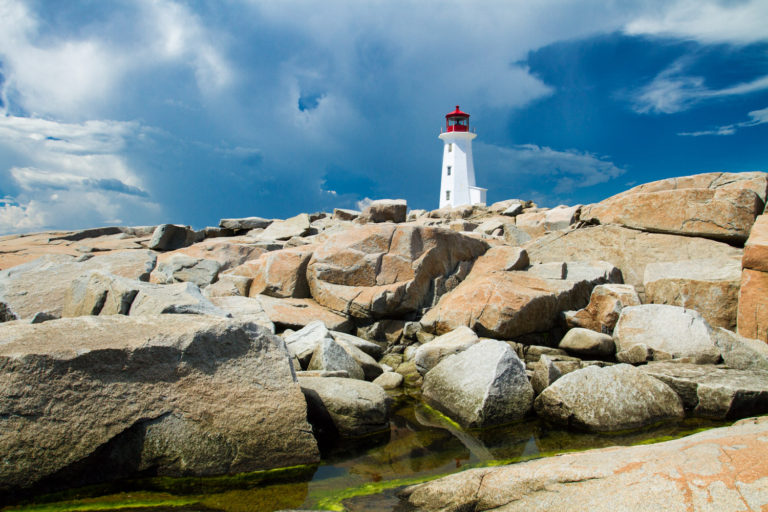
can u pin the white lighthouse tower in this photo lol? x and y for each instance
(457, 183)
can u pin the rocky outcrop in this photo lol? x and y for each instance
(227, 252)
(628, 249)
(296, 313)
(387, 270)
(178, 394)
(244, 308)
(719, 206)
(740, 352)
(721, 469)
(278, 273)
(669, 331)
(348, 407)
(244, 224)
(181, 268)
(41, 286)
(604, 399)
(710, 286)
(555, 219)
(753, 295)
(168, 237)
(179, 298)
(604, 308)
(288, 228)
(714, 392)
(484, 385)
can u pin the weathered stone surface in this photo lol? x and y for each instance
(183, 395)
(181, 268)
(756, 248)
(244, 224)
(354, 407)
(229, 285)
(515, 236)
(285, 229)
(741, 353)
(389, 380)
(503, 305)
(344, 214)
(302, 343)
(720, 469)
(752, 319)
(372, 349)
(278, 273)
(41, 286)
(296, 313)
(387, 270)
(331, 356)
(714, 207)
(604, 399)
(481, 386)
(429, 354)
(228, 252)
(99, 293)
(604, 308)
(715, 392)
(555, 219)
(587, 343)
(244, 308)
(679, 332)
(544, 374)
(710, 286)
(628, 249)
(179, 298)
(168, 237)
(501, 258)
(385, 210)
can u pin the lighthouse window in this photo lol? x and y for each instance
(449, 170)
(447, 195)
(450, 148)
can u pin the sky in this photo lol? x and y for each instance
(140, 112)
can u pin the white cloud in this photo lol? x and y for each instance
(73, 175)
(567, 169)
(756, 117)
(741, 22)
(673, 91)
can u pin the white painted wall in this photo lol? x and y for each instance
(461, 182)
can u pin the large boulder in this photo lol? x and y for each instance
(752, 316)
(481, 386)
(720, 469)
(587, 343)
(756, 248)
(555, 219)
(353, 408)
(504, 305)
(740, 352)
(720, 206)
(604, 308)
(227, 252)
(385, 210)
(100, 293)
(168, 237)
(607, 399)
(244, 224)
(629, 250)
(179, 298)
(710, 286)
(284, 229)
(41, 286)
(297, 313)
(427, 356)
(244, 308)
(384, 270)
(669, 331)
(713, 392)
(331, 356)
(174, 394)
(278, 273)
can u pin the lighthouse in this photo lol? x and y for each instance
(457, 182)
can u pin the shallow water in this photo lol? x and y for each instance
(356, 476)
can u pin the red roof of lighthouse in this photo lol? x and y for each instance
(457, 113)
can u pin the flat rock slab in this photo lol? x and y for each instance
(297, 313)
(720, 469)
(185, 394)
(715, 392)
(42, 285)
(613, 398)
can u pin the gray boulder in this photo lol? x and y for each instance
(288, 228)
(428, 355)
(244, 224)
(484, 385)
(713, 392)
(303, 342)
(545, 374)
(244, 308)
(389, 380)
(587, 343)
(681, 333)
(179, 298)
(181, 268)
(372, 349)
(331, 356)
(100, 293)
(606, 399)
(169, 237)
(385, 210)
(354, 408)
(741, 353)
(178, 395)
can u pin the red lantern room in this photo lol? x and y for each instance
(457, 121)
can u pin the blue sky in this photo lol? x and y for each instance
(147, 111)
